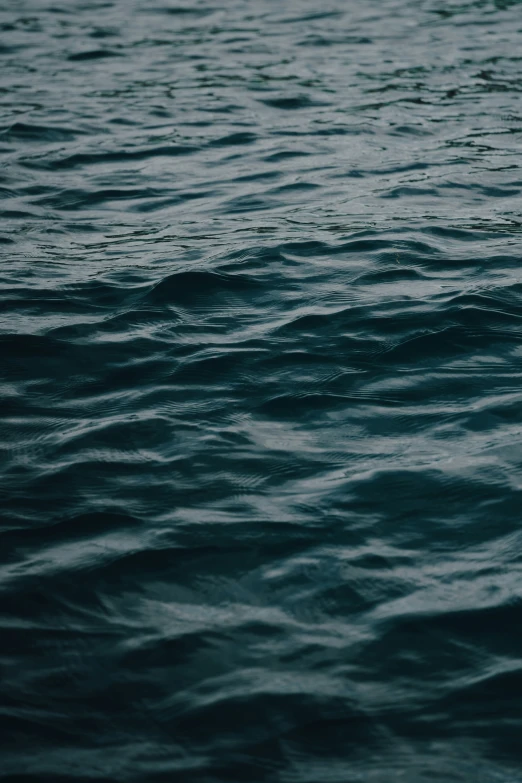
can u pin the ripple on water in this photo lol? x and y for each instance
(260, 388)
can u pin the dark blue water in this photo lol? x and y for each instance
(261, 391)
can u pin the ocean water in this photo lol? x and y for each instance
(260, 391)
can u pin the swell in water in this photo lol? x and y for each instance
(260, 339)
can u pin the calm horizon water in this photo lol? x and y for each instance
(260, 391)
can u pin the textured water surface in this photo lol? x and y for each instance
(260, 391)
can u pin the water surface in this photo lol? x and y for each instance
(261, 397)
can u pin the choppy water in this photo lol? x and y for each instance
(261, 391)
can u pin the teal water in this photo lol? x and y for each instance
(260, 391)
